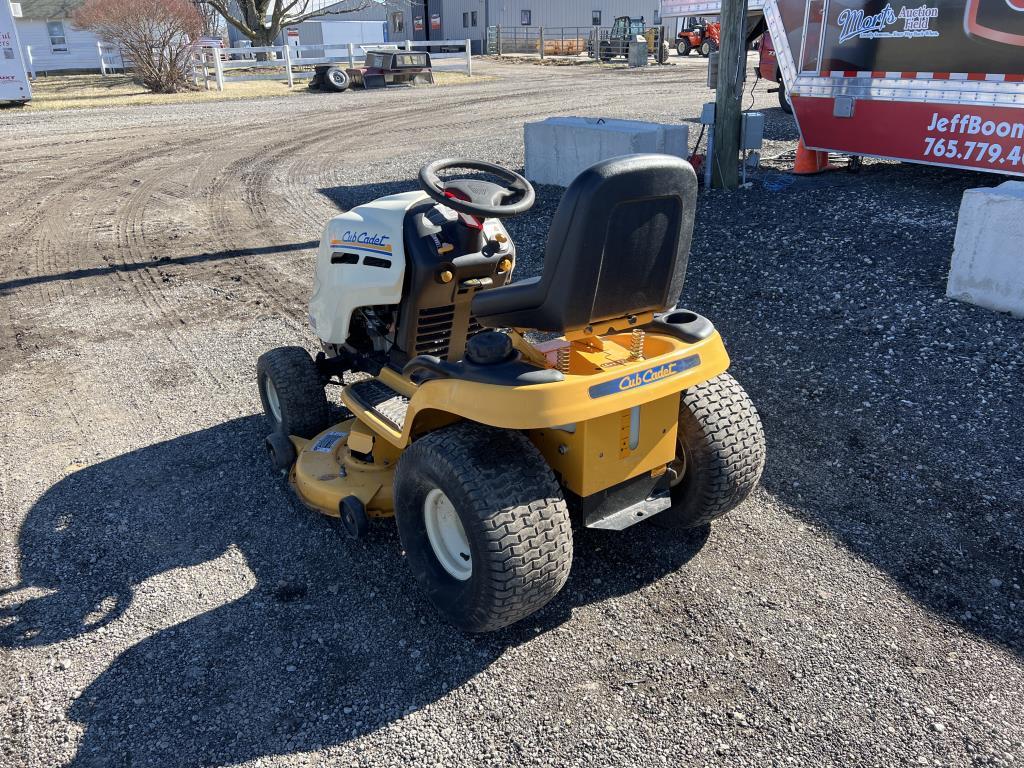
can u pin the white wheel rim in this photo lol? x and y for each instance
(272, 400)
(447, 536)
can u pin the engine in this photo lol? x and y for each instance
(395, 278)
(360, 269)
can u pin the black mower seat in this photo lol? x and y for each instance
(618, 246)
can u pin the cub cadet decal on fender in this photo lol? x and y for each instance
(646, 376)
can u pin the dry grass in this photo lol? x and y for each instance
(82, 91)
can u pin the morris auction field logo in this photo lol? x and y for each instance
(854, 23)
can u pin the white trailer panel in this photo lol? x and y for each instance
(14, 84)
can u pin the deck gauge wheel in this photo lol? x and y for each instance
(354, 519)
(281, 452)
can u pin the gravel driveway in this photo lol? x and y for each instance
(164, 601)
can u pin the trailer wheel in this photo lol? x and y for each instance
(683, 47)
(720, 453)
(483, 523)
(337, 79)
(784, 101)
(292, 392)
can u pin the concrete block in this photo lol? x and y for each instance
(988, 252)
(559, 148)
(638, 53)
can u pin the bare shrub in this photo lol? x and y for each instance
(156, 35)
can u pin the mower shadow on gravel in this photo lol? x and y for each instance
(273, 634)
(199, 258)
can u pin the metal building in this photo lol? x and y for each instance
(469, 19)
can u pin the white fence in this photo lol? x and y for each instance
(295, 62)
(110, 59)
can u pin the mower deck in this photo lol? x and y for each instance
(329, 469)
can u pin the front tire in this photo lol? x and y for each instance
(683, 48)
(292, 392)
(483, 523)
(720, 453)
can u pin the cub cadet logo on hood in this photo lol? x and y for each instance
(644, 377)
(363, 241)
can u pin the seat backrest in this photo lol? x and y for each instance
(618, 242)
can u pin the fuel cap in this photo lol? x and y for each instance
(489, 348)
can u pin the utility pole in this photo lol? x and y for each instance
(732, 63)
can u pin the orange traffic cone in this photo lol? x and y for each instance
(809, 161)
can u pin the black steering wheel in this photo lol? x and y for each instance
(487, 200)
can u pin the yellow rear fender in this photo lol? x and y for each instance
(607, 384)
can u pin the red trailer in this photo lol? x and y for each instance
(940, 83)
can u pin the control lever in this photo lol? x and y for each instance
(477, 282)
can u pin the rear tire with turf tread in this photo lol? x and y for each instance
(302, 407)
(721, 436)
(513, 516)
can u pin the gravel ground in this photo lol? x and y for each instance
(165, 602)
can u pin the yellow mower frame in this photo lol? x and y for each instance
(611, 396)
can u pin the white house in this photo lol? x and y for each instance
(49, 41)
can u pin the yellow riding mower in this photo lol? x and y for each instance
(591, 398)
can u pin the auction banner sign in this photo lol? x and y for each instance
(963, 36)
(938, 82)
(928, 81)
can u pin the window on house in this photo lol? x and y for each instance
(465, 19)
(398, 21)
(525, 18)
(595, 18)
(58, 41)
(472, 18)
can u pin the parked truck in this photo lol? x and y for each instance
(939, 82)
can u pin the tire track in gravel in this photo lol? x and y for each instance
(51, 237)
(237, 215)
(132, 245)
(245, 180)
(274, 169)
